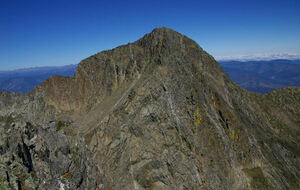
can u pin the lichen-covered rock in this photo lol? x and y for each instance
(35, 157)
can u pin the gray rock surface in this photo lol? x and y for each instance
(43, 157)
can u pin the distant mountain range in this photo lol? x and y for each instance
(263, 76)
(256, 76)
(24, 80)
(261, 57)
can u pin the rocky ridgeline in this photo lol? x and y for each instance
(158, 113)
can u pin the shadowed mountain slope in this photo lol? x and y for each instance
(160, 113)
(263, 76)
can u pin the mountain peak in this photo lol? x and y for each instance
(166, 37)
(158, 113)
(105, 73)
(165, 31)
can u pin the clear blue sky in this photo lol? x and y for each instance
(60, 32)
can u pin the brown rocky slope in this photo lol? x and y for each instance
(160, 113)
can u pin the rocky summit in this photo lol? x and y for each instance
(156, 114)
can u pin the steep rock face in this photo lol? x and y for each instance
(107, 72)
(160, 113)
